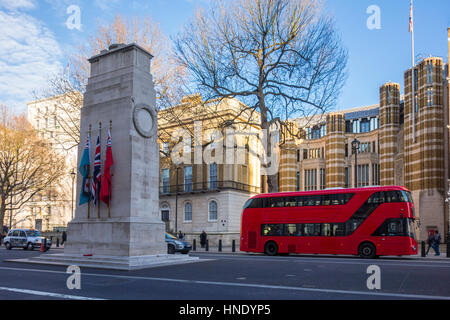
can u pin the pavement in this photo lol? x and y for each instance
(431, 255)
(233, 276)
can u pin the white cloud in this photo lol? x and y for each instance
(18, 4)
(29, 55)
(105, 4)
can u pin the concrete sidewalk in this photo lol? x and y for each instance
(228, 250)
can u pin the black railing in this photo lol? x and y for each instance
(211, 186)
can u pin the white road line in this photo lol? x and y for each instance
(406, 263)
(47, 294)
(249, 285)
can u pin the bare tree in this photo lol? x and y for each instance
(281, 58)
(28, 165)
(66, 89)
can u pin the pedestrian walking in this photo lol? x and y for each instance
(203, 237)
(437, 242)
(64, 237)
(430, 241)
(180, 235)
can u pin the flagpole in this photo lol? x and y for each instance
(89, 174)
(98, 191)
(110, 191)
(413, 98)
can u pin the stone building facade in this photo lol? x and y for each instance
(218, 169)
(398, 145)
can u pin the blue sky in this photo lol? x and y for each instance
(35, 39)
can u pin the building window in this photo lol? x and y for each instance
(188, 179)
(356, 126)
(363, 175)
(376, 174)
(310, 179)
(322, 179)
(346, 178)
(298, 180)
(165, 148)
(373, 124)
(187, 212)
(213, 176)
(429, 72)
(212, 211)
(348, 126)
(165, 181)
(430, 97)
(298, 155)
(165, 212)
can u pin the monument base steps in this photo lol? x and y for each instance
(111, 262)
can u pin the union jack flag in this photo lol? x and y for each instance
(411, 21)
(97, 177)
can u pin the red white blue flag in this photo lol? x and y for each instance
(411, 21)
(105, 191)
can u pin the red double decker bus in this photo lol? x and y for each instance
(369, 222)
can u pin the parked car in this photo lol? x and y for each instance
(176, 245)
(28, 239)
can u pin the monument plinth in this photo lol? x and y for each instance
(120, 97)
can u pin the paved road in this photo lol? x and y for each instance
(232, 277)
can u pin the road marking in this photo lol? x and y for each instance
(317, 261)
(47, 294)
(248, 285)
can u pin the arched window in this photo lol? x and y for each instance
(187, 212)
(212, 211)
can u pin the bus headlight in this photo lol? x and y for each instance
(414, 248)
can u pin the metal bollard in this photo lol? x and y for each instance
(194, 245)
(423, 248)
(207, 245)
(220, 245)
(233, 246)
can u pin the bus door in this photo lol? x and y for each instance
(391, 236)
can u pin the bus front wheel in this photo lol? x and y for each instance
(271, 248)
(367, 251)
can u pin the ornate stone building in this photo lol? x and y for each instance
(399, 144)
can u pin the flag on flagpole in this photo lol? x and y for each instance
(411, 21)
(84, 169)
(105, 191)
(97, 177)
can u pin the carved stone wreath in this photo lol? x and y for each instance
(144, 119)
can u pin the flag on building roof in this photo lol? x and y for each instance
(105, 191)
(411, 21)
(84, 169)
(97, 177)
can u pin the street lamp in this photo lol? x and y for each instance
(73, 174)
(176, 202)
(355, 148)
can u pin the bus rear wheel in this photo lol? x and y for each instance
(367, 251)
(271, 248)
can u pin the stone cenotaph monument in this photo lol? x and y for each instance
(129, 234)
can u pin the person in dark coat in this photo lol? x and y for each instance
(203, 237)
(430, 242)
(180, 235)
(437, 242)
(64, 237)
